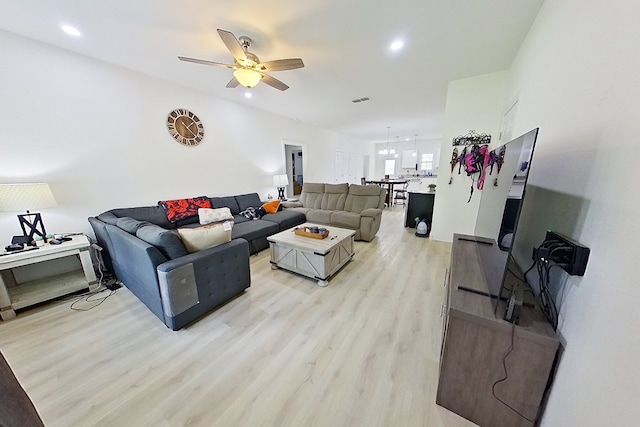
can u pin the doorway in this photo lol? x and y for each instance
(294, 165)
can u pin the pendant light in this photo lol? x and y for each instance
(415, 146)
(385, 151)
(392, 151)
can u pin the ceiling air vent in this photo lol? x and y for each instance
(366, 98)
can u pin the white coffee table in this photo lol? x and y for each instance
(315, 258)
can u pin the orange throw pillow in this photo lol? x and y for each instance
(272, 206)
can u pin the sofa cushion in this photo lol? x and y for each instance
(199, 238)
(251, 200)
(167, 241)
(312, 194)
(208, 216)
(364, 190)
(334, 196)
(363, 197)
(229, 202)
(319, 215)
(345, 219)
(152, 214)
(186, 221)
(130, 225)
(286, 219)
(108, 217)
(180, 209)
(254, 229)
(301, 210)
(239, 219)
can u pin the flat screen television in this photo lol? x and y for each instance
(501, 203)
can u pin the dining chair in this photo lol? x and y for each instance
(400, 196)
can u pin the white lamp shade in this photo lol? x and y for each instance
(280, 180)
(247, 78)
(23, 197)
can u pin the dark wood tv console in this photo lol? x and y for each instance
(476, 341)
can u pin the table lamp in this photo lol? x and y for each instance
(22, 197)
(280, 182)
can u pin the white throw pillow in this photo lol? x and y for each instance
(208, 216)
(199, 238)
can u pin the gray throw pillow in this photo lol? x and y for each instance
(251, 200)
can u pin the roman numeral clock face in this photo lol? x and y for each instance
(185, 127)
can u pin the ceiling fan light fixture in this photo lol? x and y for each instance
(247, 78)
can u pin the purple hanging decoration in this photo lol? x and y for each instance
(492, 161)
(500, 159)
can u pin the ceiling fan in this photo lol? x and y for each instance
(247, 68)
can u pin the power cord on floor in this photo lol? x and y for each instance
(88, 299)
(109, 283)
(106, 282)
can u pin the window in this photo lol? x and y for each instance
(426, 162)
(389, 167)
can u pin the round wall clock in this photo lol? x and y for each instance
(185, 127)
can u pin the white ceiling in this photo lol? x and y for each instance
(344, 45)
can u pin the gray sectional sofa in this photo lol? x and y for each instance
(144, 251)
(356, 207)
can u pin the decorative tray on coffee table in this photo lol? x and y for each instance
(302, 232)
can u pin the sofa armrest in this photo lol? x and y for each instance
(371, 212)
(292, 204)
(196, 283)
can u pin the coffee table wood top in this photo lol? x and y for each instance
(321, 246)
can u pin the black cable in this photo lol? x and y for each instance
(547, 304)
(88, 300)
(506, 375)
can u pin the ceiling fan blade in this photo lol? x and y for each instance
(202, 61)
(232, 44)
(273, 82)
(233, 83)
(281, 64)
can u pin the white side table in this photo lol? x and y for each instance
(15, 295)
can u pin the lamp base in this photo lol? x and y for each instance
(281, 195)
(29, 223)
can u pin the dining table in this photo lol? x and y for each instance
(389, 183)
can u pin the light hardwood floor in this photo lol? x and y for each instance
(361, 352)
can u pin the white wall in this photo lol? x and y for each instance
(577, 79)
(477, 104)
(96, 133)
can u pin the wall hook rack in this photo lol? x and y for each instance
(472, 138)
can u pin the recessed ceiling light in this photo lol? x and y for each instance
(397, 45)
(248, 94)
(72, 31)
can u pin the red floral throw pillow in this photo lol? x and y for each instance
(184, 208)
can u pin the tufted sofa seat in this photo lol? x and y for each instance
(356, 207)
